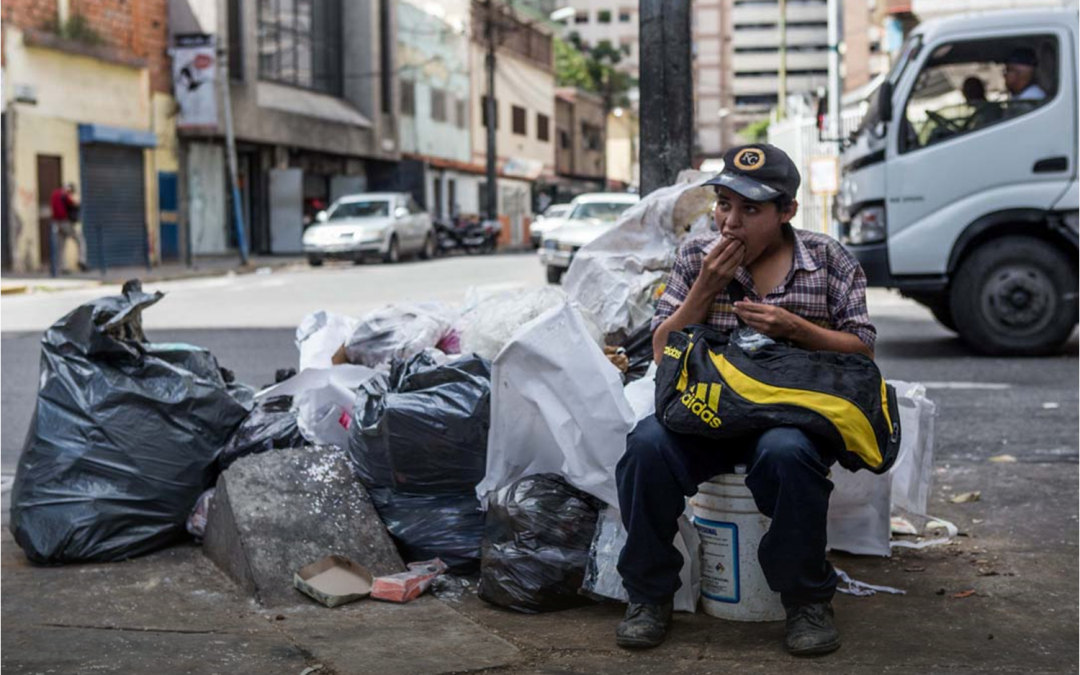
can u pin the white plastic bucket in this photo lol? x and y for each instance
(732, 584)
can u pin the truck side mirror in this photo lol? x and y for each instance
(885, 101)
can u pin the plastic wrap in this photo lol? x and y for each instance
(489, 322)
(450, 527)
(196, 522)
(270, 425)
(614, 277)
(557, 407)
(424, 429)
(400, 331)
(323, 401)
(83, 490)
(602, 578)
(536, 546)
(320, 335)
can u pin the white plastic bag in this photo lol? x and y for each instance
(489, 321)
(603, 579)
(613, 277)
(399, 331)
(323, 400)
(557, 406)
(914, 468)
(320, 335)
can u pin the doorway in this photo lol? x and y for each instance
(48, 179)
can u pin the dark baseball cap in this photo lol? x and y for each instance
(759, 171)
(1022, 56)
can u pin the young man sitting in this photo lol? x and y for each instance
(799, 287)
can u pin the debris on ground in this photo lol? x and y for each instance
(966, 497)
(409, 585)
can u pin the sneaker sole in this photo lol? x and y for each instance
(816, 651)
(636, 643)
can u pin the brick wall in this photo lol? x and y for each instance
(133, 28)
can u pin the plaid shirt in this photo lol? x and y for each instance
(825, 286)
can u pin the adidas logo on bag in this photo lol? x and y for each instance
(672, 352)
(704, 401)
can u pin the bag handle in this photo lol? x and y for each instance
(737, 294)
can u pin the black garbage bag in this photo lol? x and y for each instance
(424, 429)
(448, 527)
(270, 425)
(418, 442)
(639, 351)
(125, 436)
(538, 534)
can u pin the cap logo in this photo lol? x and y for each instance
(749, 159)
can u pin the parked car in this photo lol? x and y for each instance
(593, 214)
(552, 217)
(385, 225)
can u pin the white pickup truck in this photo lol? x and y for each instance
(960, 186)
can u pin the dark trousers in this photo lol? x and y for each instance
(788, 476)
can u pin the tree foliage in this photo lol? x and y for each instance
(594, 69)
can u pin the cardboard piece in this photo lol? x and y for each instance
(334, 580)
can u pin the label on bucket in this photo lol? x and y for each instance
(719, 559)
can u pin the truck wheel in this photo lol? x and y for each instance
(1015, 295)
(554, 274)
(943, 313)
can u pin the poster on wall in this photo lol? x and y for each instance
(194, 68)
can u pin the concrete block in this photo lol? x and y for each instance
(278, 511)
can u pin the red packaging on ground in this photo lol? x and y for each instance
(409, 585)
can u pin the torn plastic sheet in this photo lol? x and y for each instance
(862, 589)
(319, 335)
(614, 276)
(323, 400)
(905, 525)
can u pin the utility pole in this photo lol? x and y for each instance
(667, 92)
(781, 94)
(833, 8)
(491, 208)
(230, 153)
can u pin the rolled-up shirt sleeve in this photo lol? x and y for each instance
(847, 299)
(677, 287)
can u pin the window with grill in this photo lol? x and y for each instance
(438, 105)
(543, 131)
(519, 123)
(300, 43)
(408, 97)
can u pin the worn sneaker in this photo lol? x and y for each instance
(644, 626)
(810, 629)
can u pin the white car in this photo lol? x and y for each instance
(593, 214)
(384, 225)
(552, 217)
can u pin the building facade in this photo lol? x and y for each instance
(524, 116)
(313, 90)
(436, 110)
(580, 143)
(86, 101)
(615, 21)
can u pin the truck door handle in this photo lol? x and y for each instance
(1051, 165)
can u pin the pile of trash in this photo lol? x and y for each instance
(486, 434)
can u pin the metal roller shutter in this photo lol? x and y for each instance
(113, 205)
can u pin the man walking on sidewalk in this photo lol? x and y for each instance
(65, 211)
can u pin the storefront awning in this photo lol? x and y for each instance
(99, 133)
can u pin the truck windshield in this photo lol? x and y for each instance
(908, 53)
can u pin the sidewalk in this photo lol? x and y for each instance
(203, 267)
(173, 612)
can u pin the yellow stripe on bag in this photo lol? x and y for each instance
(852, 424)
(885, 405)
(684, 376)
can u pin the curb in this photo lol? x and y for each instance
(14, 290)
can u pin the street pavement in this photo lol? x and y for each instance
(1018, 551)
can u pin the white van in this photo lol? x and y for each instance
(961, 192)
